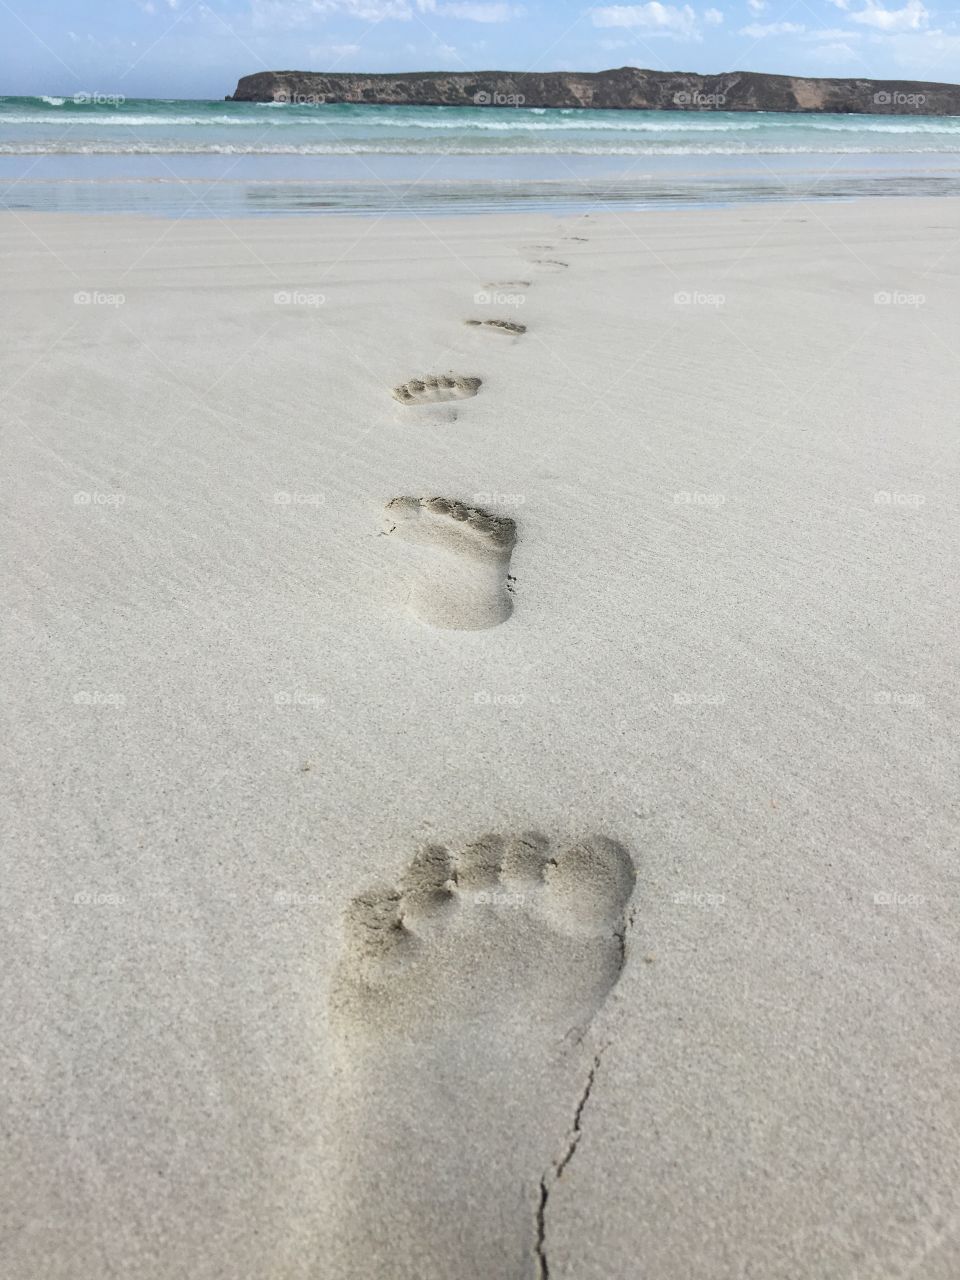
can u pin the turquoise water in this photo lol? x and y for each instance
(103, 153)
(62, 126)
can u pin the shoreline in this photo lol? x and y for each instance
(202, 187)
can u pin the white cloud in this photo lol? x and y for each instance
(713, 17)
(283, 15)
(914, 49)
(300, 13)
(757, 6)
(483, 12)
(480, 12)
(835, 54)
(759, 31)
(653, 16)
(912, 17)
(833, 33)
(367, 10)
(470, 10)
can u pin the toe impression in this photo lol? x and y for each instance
(589, 886)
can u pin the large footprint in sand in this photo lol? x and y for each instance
(459, 1012)
(464, 554)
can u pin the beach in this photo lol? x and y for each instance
(682, 632)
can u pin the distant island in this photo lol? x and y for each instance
(625, 89)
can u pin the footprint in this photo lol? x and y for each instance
(504, 929)
(549, 264)
(437, 389)
(509, 284)
(505, 326)
(459, 1012)
(463, 579)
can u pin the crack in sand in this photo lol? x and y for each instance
(576, 1133)
(543, 1270)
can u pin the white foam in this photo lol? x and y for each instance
(387, 148)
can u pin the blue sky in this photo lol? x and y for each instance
(198, 48)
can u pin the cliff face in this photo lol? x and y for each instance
(627, 88)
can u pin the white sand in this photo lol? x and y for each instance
(733, 649)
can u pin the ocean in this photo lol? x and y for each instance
(98, 153)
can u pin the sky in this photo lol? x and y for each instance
(199, 48)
